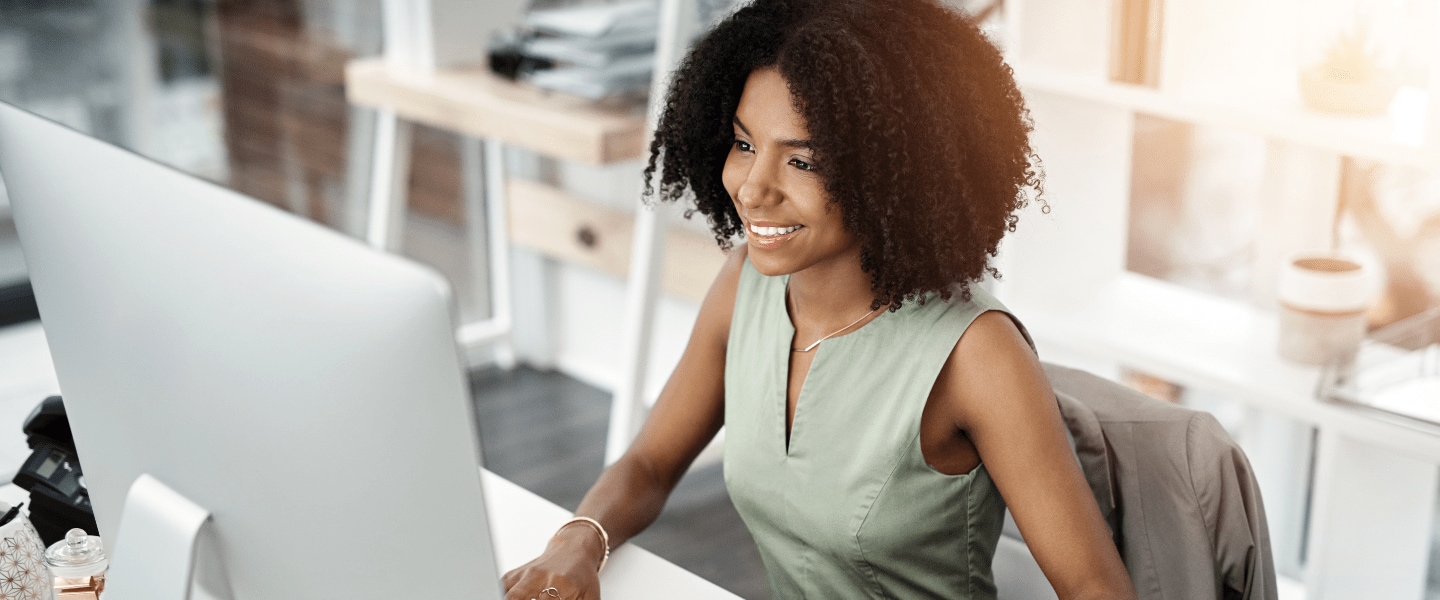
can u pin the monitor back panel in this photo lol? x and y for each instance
(305, 389)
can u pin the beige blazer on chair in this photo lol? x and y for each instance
(1176, 490)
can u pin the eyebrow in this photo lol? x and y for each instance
(736, 121)
(800, 144)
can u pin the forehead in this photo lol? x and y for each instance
(766, 108)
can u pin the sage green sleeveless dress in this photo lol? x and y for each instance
(851, 509)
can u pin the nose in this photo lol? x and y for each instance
(759, 187)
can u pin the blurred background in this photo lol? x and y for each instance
(1191, 147)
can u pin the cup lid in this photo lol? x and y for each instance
(77, 550)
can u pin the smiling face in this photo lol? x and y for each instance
(777, 185)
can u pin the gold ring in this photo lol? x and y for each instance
(551, 592)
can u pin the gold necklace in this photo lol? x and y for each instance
(832, 334)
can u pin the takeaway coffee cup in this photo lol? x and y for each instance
(1323, 298)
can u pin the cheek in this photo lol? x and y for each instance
(829, 221)
(814, 203)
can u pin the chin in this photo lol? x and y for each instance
(773, 264)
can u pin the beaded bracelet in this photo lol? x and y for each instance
(604, 537)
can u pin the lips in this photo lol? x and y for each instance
(769, 235)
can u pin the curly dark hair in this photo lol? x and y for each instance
(920, 132)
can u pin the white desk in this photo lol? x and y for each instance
(520, 525)
(522, 522)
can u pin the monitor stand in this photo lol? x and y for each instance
(169, 549)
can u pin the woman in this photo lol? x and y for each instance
(877, 406)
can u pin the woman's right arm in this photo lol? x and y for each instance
(630, 493)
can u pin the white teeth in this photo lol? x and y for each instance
(772, 231)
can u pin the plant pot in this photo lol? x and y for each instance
(1324, 92)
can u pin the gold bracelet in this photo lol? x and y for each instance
(604, 537)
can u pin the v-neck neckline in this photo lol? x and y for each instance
(789, 422)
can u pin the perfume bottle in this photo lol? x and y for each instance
(79, 565)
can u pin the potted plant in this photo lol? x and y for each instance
(1349, 79)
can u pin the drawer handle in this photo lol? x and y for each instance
(587, 237)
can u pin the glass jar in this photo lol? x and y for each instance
(79, 564)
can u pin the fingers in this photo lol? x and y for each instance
(556, 588)
(532, 584)
(511, 578)
(525, 585)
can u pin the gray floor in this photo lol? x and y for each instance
(546, 432)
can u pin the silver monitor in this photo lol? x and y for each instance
(305, 390)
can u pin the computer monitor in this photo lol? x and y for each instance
(306, 390)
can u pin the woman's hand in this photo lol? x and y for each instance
(569, 565)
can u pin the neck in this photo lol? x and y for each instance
(831, 293)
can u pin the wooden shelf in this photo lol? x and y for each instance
(477, 102)
(1208, 342)
(1378, 138)
(555, 224)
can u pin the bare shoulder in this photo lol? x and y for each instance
(992, 335)
(999, 396)
(719, 304)
(991, 368)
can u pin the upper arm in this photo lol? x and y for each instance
(995, 387)
(691, 406)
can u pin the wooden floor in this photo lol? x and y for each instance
(546, 432)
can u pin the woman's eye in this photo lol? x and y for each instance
(744, 146)
(802, 165)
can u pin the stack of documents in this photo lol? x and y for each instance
(598, 50)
